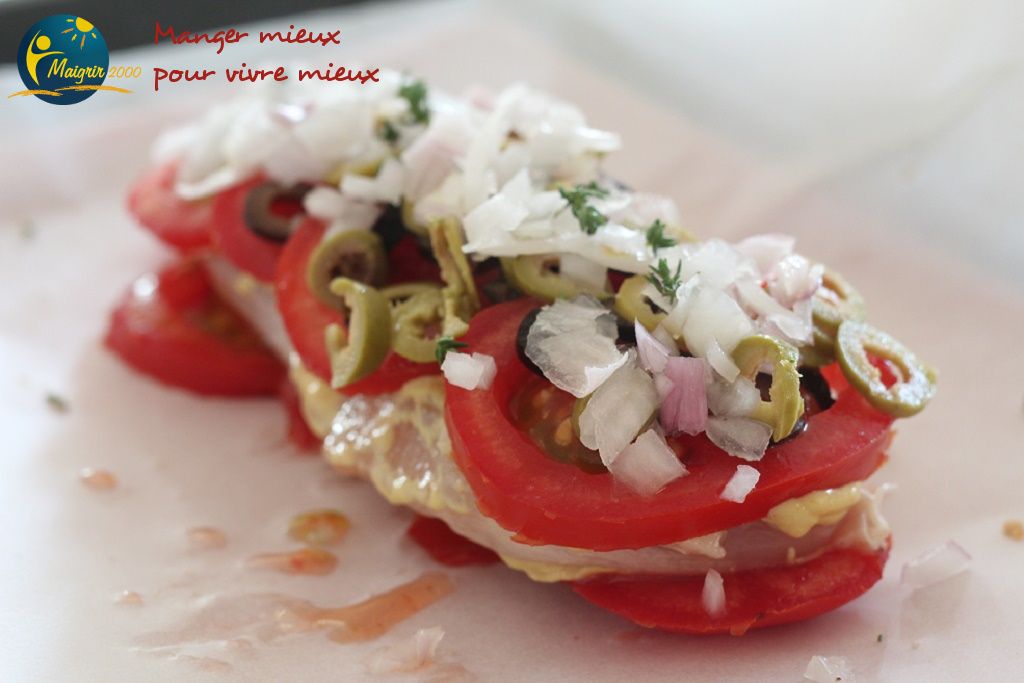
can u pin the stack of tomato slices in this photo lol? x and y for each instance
(174, 327)
(544, 501)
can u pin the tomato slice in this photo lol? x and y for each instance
(306, 319)
(549, 502)
(172, 327)
(184, 225)
(256, 255)
(446, 546)
(753, 599)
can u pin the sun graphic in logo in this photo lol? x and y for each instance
(80, 25)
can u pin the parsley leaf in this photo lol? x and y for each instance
(415, 93)
(590, 218)
(656, 236)
(444, 345)
(664, 280)
(57, 403)
(388, 132)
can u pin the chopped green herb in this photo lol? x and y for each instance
(590, 218)
(389, 132)
(446, 344)
(656, 236)
(415, 93)
(664, 279)
(57, 403)
(879, 638)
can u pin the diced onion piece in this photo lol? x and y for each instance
(741, 437)
(653, 353)
(938, 564)
(742, 482)
(647, 464)
(583, 272)
(733, 399)
(409, 655)
(573, 345)
(469, 371)
(386, 186)
(617, 411)
(713, 595)
(829, 670)
(766, 250)
(789, 323)
(685, 407)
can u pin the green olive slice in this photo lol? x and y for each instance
(785, 405)
(835, 301)
(260, 215)
(396, 294)
(416, 324)
(632, 304)
(359, 352)
(914, 387)
(536, 275)
(461, 300)
(353, 254)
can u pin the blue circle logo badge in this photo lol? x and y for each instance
(63, 59)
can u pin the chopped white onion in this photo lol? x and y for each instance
(742, 482)
(583, 272)
(408, 655)
(647, 465)
(469, 371)
(736, 399)
(766, 250)
(794, 278)
(713, 594)
(938, 564)
(829, 670)
(741, 437)
(653, 354)
(617, 411)
(685, 407)
(573, 345)
(386, 186)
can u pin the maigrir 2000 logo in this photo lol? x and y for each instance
(63, 59)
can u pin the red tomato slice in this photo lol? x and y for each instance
(184, 225)
(408, 263)
(446, 546)
(549, 502)
(299, 433)
(174, 328)
(306, 318)
(753, 599)
(255, 255)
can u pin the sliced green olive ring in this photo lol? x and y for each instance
(359, 352)
(407, 290)
(259, 213)
(352, 254)
(632, 304)
(857, 342)
(416, 325)
(535, 276)
(835, 302)
(461, 300)
(785, 405)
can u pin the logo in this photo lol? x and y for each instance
(63, 59)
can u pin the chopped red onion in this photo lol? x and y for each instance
(685, 407)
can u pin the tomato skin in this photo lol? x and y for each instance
(753, 599)
(548, 502)
(306, 319)
(446, 546)
(173, 328)
(256, 255)
(182, 224)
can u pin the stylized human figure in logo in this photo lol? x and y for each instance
(32, 57)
